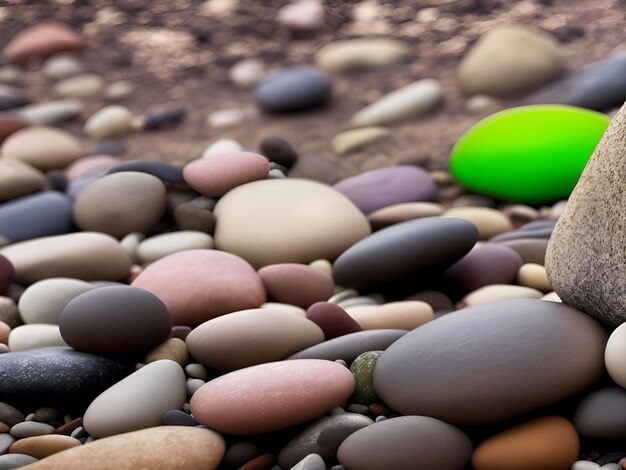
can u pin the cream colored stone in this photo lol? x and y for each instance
(44, 301)
(18, 179)
(402, 315)
(159, 246)
(499, 293)
(534, 275)
(355, 139)
(111, 121)
(361, 54)
(490, 222)
(26, 337)
(80, 86)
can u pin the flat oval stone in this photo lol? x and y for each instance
(10, 461)
(166, 172)
(56, 376)
(44, 301)
(511, 154)
(88, 256)
(384, 187)
(549, 442)
(403, 315)
(41, 447)
(279, 151)
(293, 89)
(26, 337)
(115, 320)
(39, 215)
(85, 85)
(31, 429)
(522, 355)
(62, 66)
(50, 113)
(602, 414)
(354, 139)
(332, 319)
(282, 217)
(250, 337)
(409, 442)
(490, 222)
(132, 403)
(534, 276)
(361, 54)
(348, 347)
(165, 244)
(296, 284)
(45, 148)
(198, 285)
(111, 121)
(614, 355)
(408, 102)
(498, 293)
(531, 250)
(41, 41)
(18, 179)
(159, 447)
(404, 249)
(484, 265)
(402, 212)
(121, 203)
(217, 174)
(174, 349)
(322, 438)
(10, 415)
(272, 396)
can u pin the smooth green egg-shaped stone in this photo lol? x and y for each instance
(529, 154)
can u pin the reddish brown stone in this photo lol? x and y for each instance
(332, 319)
(41, 41)
(262, 462)
(296, 284)
(6, 273)
(9, 123)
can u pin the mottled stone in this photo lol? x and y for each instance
(522, 355)
(404, 443)
(582, 261)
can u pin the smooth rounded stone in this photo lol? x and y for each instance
(272, 396)
(222, 146)
(178, 418)
(302, 16)
(293, 89)
(62, 66)
(31, 429)
(521, 233)
(310, 462)
(296, 284)
(193, 385)
(5, 442)
(511, 155)
(77, 186)
(548, 442)
(218, 174)
(115, 320)
(531, 250)
(51, 112)
(18, 179)
(81, 86)
(9, 313)
(403, 315)
(190, 216)
(46, 413)
(239, 453)
(173, 349)
(247, 72)
(481, 104)
(615, 354)
(534, 276)
(332, 319)
(88, 165)
(11, 75)
(349, 54)
(26, 337)
(130, 243)
(45, 148)
(164, 120)
(597, 86)
(114, 148)
(196, 371)
(87, 256)
(279, 151)
(121, 203)
(585, 465)
(158, 447)
(494, 293)
(166, 172)
(581, 261)
(5, 330)
(522, 355)
(551, 297)
(520, 213)
(38, 215)
(11, 461)
(322, 437)
(490, 222)
(10, 415)
(384, 187)
(41, 447)
(484, 265)
(180, 332)
(403, 104)
(294, 309)
(355, 139)
(160, 246)
(403, 443)
(602, 414)
(225, 117)
(198, 285)
(412, 247)
(402, 212)
(119, 90)
(11, 97)
(282, 217)
(249, 337)
(348, 347)
(363, 370)
(40, 42)
(132, 403)
(508, 60)
(111, 121)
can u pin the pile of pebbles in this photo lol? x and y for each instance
(224, 314)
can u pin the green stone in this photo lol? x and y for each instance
(363, 370)
(529, 154)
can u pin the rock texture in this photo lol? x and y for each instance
(585, 260)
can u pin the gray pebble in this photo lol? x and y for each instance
(30, 429)
(79, 432)
(360, 409)
(4, 348)
(196, 371)
(5, 442)
(585, 465)
(336, 411)
(611, 466)
(9, 415)
(337, 467)
(187, 408)
(193, 385)
(380, 418)
(88, 440)
(342, 362)
(46, 413)
(10, 461)
(310, 462)
(30, 417)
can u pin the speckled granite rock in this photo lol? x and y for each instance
(585, 260)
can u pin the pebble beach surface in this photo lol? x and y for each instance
(233, 312)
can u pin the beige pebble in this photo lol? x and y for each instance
(159, 246)
(80, 86)
(551, 297)
(322, 264)
(402, 212)
(26, 337)
(173, 349)
(498, 293)
(403, 315)
(356, 139)
(490, 222)
(534, 275)
(285, 308)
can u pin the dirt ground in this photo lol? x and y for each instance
(177, 53)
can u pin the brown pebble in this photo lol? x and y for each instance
(262, 462)
(43, 446)
(68, 428)
(379, 410)
(4, 332)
